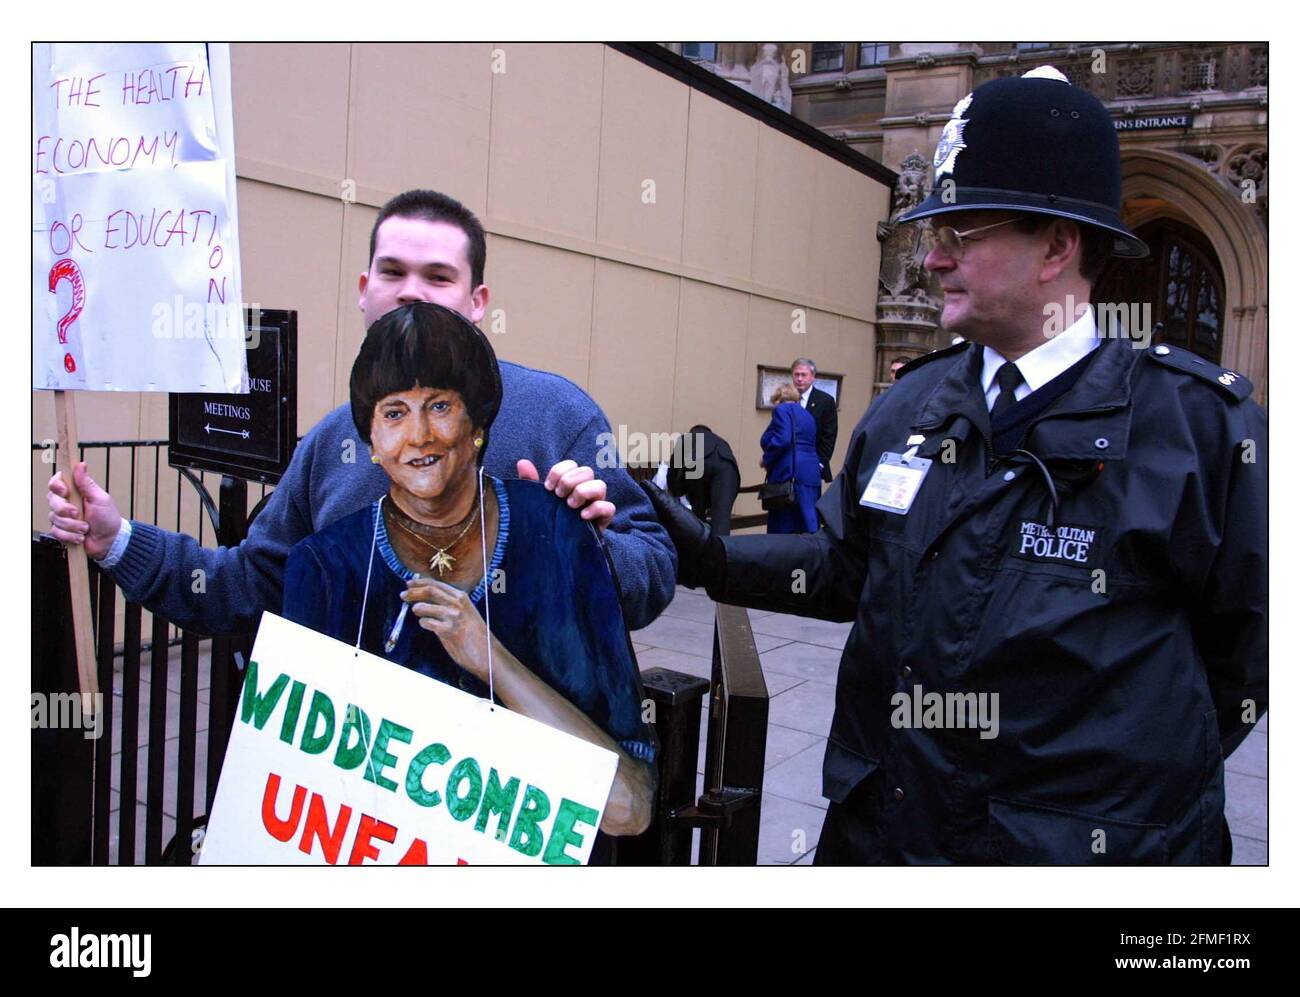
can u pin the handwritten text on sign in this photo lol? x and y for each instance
(343, 757)
(134, 244)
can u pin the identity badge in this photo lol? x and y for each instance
(894, 484)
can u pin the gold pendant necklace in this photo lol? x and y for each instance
(441, 561)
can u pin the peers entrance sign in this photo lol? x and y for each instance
(135, 246)
(338, 756)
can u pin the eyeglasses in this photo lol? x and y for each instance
(951, 241)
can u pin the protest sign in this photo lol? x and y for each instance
(338, 756)
(135, 248)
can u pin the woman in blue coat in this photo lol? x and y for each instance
(790, 454)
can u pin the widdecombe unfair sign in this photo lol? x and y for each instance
(135, 234)
(340, 757)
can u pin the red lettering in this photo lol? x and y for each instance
(370, 828)
(317, 824)
(212, 288)
(40, 153)
(281, 830)
(417, 854)
(92, 93)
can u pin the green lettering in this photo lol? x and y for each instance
(527, 837)
(321, 706)
(463, 807)
(498, 800)
(380, 759)
(562, 833)
(350, 756)
(258, 708)
(291, 712)
(433, 754)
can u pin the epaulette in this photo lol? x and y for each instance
(919, 362)
(1234, 385)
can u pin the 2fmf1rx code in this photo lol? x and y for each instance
(1196, 938)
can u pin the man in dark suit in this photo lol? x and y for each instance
(704, 470)
(821, 407)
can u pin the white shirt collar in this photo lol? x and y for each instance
(1045, 362)
(803, 399)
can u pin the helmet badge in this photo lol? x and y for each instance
(951, 141)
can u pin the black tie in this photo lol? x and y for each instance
(1008, 378)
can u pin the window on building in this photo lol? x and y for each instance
(700, 51)
(872, 53)
(1031, 46)
(827, 56)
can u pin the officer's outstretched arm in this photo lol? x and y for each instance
(818, 574)
(808, 574)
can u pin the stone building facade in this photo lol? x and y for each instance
(1193, 129)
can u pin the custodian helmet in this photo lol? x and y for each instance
(1031, 143)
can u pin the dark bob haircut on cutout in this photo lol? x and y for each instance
(433, 347)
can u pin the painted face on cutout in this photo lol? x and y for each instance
(425, 444)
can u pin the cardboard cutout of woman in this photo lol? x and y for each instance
(425, 389)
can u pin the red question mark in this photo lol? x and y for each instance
(69, 271)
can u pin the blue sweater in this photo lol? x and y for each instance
(555, 607)
(544, 418)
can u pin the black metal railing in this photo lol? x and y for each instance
(729, 809)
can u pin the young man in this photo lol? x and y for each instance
(1053, 545)
(424, 246)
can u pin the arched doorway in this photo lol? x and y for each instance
(1160, 184)
(1181, 282)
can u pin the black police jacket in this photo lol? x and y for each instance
(1121, 626)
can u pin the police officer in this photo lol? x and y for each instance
(1052, 544)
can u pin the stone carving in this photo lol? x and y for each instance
(907, 307)
(769, 77)
(1258, 73)
(1248, 164)
(1210, 155)
(904, 247)
(1136, 78)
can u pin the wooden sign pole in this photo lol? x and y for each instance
(65, 413)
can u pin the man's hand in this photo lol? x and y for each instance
(579, 485)
(99, 529)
